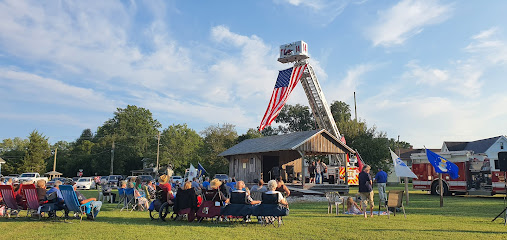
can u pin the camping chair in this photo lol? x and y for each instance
(32, 199)
(72, 203)
(238, 208)
(121, 197)
(395, 200)
(129, 199)
(270, 211)
(210, 207)
(334, 199)
(10, 201)
(185, 204)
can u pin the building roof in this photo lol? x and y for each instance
(289, 141)
(2, 161)
(479, 146)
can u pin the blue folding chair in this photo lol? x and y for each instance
(72, 203)
(130, 199)
(121, 197)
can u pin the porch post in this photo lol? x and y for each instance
(303, 179)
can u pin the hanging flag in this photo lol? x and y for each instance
(343, 139)
(192, 172)
(400, 168)
(360, 163)
(200, 170)
(285, 83)
(441, 165)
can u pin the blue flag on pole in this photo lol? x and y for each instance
(200, 170)
(441, 164)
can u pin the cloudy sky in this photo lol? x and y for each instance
(427, 70)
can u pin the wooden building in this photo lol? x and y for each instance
(267, 157)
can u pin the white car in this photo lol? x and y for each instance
(176, 178)
(85, 183)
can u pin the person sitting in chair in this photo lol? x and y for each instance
(280, 187)
(212, 195)
(272, 185)
(41, 190)
(95, 205)
(240, 185)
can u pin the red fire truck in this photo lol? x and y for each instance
(477, 175)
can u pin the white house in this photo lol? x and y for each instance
(489, 146)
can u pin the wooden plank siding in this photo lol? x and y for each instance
(321, 144)
(241, 167)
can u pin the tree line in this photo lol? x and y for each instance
(131, 135)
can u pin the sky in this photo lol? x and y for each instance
(427, 71)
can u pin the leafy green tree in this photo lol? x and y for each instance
(340, 111)
(295, 118)
(216, 140)
(13, 152)
(133, 130)
(36, 153)
(62, 157)
(180, 146)
(251, 133)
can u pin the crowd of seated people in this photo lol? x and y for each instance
(50, 200)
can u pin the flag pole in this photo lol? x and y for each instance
(441, 190)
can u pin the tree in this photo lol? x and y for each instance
(134, 132)
(295, 118)
(340, 111)
(36, 153)
(251, 133)
(13, 152)
(180, 146)
(216, 140)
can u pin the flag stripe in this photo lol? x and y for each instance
(286, 82)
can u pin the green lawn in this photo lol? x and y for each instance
(461, 218)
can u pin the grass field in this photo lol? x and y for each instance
(461, 217)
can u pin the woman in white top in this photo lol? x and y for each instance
(272, 184)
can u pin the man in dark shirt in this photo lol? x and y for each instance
(381, 179)
(365, 189)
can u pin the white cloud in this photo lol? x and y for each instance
(322, 11)
(489, 45)
(406, 19)
(344, 89)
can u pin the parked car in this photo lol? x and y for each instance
(34, 177)
(222, 177)
(51, 183)
(128, 179)
(85, 183)
(114, 180)
(173, 179)
(146, 178)
(14, 179)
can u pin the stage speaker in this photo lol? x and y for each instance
(502, 161)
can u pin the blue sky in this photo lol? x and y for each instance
(428, 71)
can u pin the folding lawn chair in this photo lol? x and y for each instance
(210, 207)
(32, 200)
(72, 203)
(238, 208)
(395, 200)
(121, 197)
(270, 211)
(10, 201)
(129, 199)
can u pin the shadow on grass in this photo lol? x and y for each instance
(436, 230)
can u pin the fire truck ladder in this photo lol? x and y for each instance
(318, 103)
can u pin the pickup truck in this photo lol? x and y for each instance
(31, 177)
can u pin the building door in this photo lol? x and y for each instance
(270, 164)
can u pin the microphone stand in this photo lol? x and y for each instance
(504, 211)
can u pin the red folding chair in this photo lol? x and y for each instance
(32, 199)
(10, 200)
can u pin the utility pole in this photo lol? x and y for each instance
(355, 107)
(112, 157)
(158, 149)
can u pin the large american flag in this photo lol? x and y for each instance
(285, 83)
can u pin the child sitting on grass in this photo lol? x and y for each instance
(352, 207)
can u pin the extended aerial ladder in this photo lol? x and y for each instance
(297, 52)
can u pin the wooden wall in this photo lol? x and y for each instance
(245, 167)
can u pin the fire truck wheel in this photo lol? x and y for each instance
(435, 189)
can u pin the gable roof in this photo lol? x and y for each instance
(479, 146)
(283, 142)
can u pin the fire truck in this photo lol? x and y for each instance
(297, 52)
(477, 174)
